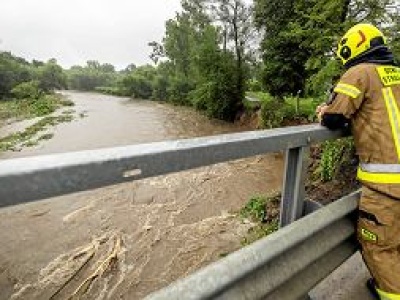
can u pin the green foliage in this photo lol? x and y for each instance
(334, 155)
(91, 76)
(264, 212)
(51, 77)
(28, 80)
(111, 90)
(138, 86)
(255, 209)
(160, 88)
(300, 39)
(13, 71)
(138, 83)
(178, 90)
(178, 42)
(32, 107)
(198, 72)
(254, 85)
(273, 113)
(320, 83)
(26, 138)
(217, 91)
(27, 90)
(289, 111)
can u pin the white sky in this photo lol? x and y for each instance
(74, 31)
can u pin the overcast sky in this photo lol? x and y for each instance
(74, 31)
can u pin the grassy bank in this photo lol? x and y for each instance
(263, 211)
(22, 109)
(274, 113)
(16, 110)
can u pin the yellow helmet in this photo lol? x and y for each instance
(358, 40)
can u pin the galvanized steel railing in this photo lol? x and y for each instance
(285, 265)
(282, 266)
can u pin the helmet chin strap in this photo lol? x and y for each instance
(378, 55)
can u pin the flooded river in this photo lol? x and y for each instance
(125, 241)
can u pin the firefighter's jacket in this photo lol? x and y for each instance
(369, 95)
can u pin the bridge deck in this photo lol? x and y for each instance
(346, 282)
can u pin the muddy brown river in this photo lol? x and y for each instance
(127, 240)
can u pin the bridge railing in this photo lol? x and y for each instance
(310, 248)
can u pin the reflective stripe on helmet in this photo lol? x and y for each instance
(394, 116)
(347, 89)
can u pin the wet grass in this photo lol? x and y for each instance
(16, 110)
(263, 211)
(31, 108)
(28, 137)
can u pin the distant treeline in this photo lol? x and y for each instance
(19, 77)
(214, 51)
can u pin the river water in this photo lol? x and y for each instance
(127, 240)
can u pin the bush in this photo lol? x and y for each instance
(114, 91)
(264, 211)
(212, 98)
(289, 111)
(255, 209)
(178, 91)
(272, 114)
(335, 154)
(160, 88)
(254, 85)
(27, 90)
(137, 86)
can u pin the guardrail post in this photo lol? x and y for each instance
(292, 202)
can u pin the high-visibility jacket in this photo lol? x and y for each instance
(369, 95)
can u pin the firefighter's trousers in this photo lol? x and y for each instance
(379, 235)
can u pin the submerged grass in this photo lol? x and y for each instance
(15, 141)
(44, 106)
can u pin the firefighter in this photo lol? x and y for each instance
(367, 99)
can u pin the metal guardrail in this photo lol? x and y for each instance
(285, 265)
(303, 252)
(30, 179)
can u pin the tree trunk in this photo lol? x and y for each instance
(345, 10)
(238, 54)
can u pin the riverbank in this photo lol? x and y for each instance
(37, 115)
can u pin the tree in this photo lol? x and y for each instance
(139, 82)
(51, 77)
(13, 71)
(177, 42)
(216, 91)
(300, 37)
(236, 19)
(129, 69)
(157, 52)
(92, 76)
